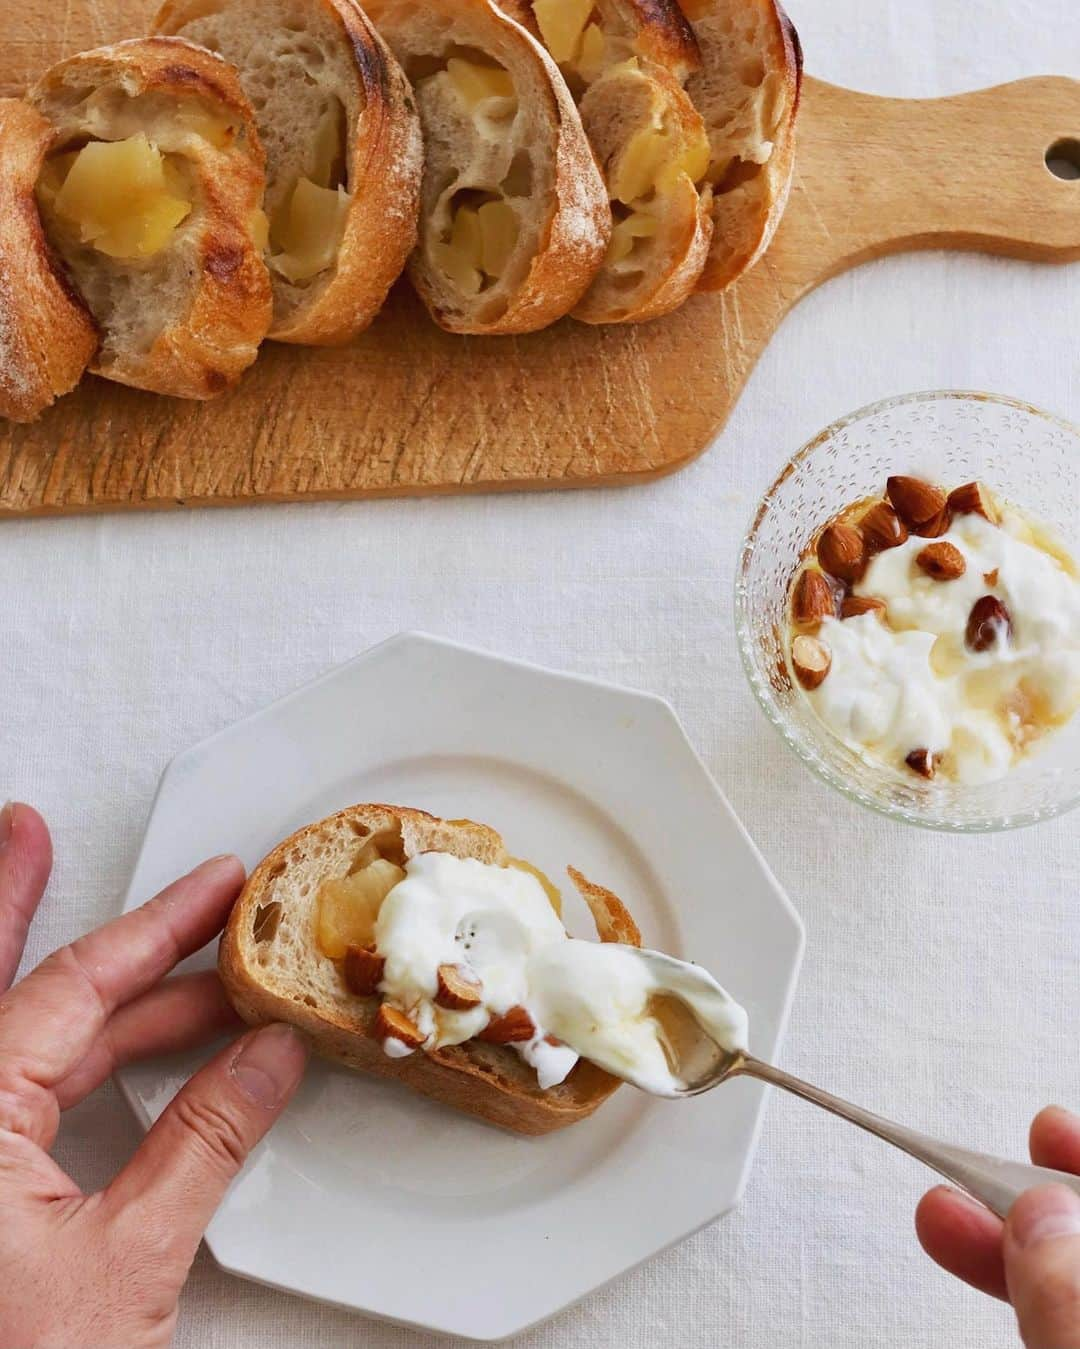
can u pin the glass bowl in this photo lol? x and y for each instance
(1026, 456)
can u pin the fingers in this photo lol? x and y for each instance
(963, 1237)
(53, 1017)
(179, 1014)
(177, 1178)
(25, 863)
(1042, 1266)
(1055, 1139)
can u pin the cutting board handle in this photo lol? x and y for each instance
(884, 175)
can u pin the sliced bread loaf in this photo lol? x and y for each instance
(151, 194)
(747, 90)
(343, 152)
(274, 969)
(624, 61)
(47, 336)
(514, 215)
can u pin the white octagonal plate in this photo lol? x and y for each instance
(371, 1197)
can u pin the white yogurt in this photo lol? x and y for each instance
(912, 683)
(592, 998)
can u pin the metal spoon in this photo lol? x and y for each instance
(703, 1064)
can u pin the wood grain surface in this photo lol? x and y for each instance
(411, 409)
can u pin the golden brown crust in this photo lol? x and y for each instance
(386, 164)
(485, 1080)
(783, 55)
(575, 237)
(47, 336)
(686, 227)
(658, 32)
(662, 33)
(216, 336)
(657, 29)
(385, 167)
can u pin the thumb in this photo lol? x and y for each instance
(179, 1175)
(1042, 1266)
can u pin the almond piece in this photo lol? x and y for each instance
(991, 577)
(812, 599)
(933, 529)
(459, 990)
(811, 660)
(842, 552)
(988, 624)
(512, 1027)
(973, 499)
(915, 500)
(856, 605)
(882, 528)
(924, 763)
(363, 970)
(942, 561)
(390, 1024)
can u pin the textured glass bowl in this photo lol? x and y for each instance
(1024, 455)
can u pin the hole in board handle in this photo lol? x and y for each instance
(1063, 159)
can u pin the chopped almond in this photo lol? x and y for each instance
(857, 605)
(390, 1024)
(882, 528)
(841, 551)
(924, 763)
(916, 501)
(972, 498)
(459, 990)
(812, 599)
(512, 1027)
(941, 561)
(363, 970)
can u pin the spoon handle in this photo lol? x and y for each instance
(994, 1181)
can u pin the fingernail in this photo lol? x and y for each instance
(7, 823)
(269, 1065)
(221, 857)
(1042, 1214)
(961, 1197)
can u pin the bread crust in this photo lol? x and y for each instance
(574, 237)
(657, 32)
(216, 336)
(47, 335)
(662, 33)
(783, 58)
(385, 164)
(485, 1080)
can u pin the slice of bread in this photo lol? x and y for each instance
(151, 194)
(747, 90)
(343, 153)
(273, 970)
(624, 61)
(514, 220)
(47, 336)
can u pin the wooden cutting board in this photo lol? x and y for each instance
(410, 409)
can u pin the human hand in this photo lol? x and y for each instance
(1032, 1259)
(106, 1269)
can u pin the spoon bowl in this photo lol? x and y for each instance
(699, 1061)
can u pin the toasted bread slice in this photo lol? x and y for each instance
(47, 336)
(151, 194)
(343, 153)
(747, 90)
(274, 971)
(514, 221)
(624, 61)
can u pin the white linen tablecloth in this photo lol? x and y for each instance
(940, 983)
